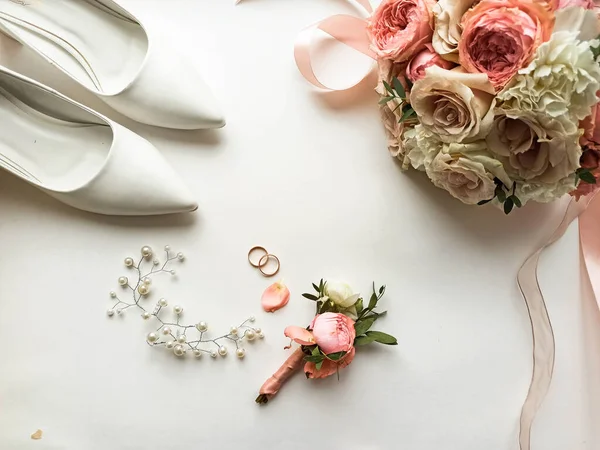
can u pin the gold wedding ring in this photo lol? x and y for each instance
(263, 260)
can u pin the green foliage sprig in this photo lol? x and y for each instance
(505, 196)
(397, 92)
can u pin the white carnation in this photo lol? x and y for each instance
(544, 193)
(562, 79)
(421, 146)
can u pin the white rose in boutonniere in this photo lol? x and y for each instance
(341, 294)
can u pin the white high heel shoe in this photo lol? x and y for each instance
(106, 49)
(81, 157)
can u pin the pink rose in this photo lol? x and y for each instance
(501, 37)
(328, 367)
(591, 129)
(424, 59)
(587, 4)
(400, 28)
(333, 332)
(590, 159)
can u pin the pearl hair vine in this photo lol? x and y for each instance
(172, 334)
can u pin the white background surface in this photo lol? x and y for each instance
(308, 176)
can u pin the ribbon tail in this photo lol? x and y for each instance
(349, 30)
(541, 328)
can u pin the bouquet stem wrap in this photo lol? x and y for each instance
(270, 387)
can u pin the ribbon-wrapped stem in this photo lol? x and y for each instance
(271, 387)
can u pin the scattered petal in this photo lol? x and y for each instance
(37, 435)
(328, 367)
(299, 335)
(275, 297)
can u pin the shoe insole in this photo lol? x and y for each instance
(94, 42)
(61, 151)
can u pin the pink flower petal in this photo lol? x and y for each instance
(275, 297)
(299, 335)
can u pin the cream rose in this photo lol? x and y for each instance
(446, 34)
(467, 172)
(535, 148)
(456, 106)
(341, 293)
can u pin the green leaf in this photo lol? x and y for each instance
(359, 305)
(314, 358)
(382, 290)
(373, 301)
(516, 201)
(409, 112)
(316, 288)
(363, 340)
(399, 88)
(500, 194)
(388, 88)
(508, 205)
(322, 285)
(316, 351)
(385, 100)
(382, 338)
(362, 326)
(336, 356)
(483, 202)
(312, 297)
(586, 176)
(319, 365)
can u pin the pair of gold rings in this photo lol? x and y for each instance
(263, 260)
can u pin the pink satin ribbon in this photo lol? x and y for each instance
(349, 30)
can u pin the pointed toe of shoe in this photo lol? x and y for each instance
(134, 181)
(170, 93)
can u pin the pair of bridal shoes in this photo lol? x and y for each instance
(74, 153)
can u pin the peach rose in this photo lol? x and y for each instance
(400, 28)
(424, 59)
(333, 332)
(499, 38)
(591, 129)
(328, 367)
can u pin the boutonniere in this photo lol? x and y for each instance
(342, 323)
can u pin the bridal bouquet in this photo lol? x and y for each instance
(327, 345)
(495, 100)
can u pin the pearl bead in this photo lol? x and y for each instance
(258, 330)
(123, 281)
(147, 280)
(173, 272)
(166, 331)
(180, 256)
(213, 354)
(170, 344)
(128, 262)
(240, 353)
(119, 311)
(163, 302)
(110, 313)
(113, 294)
(222, 351)
(261, 336)
(252, 319)
(167, 248)
(156, 262)
(179, 350)
(146, 315)
(152, 337)
(197, 353)
(202, 327)
(233, 330)
(146, 251)
(144, 289)
(177, 309)
(250, 335)
(181, 338)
